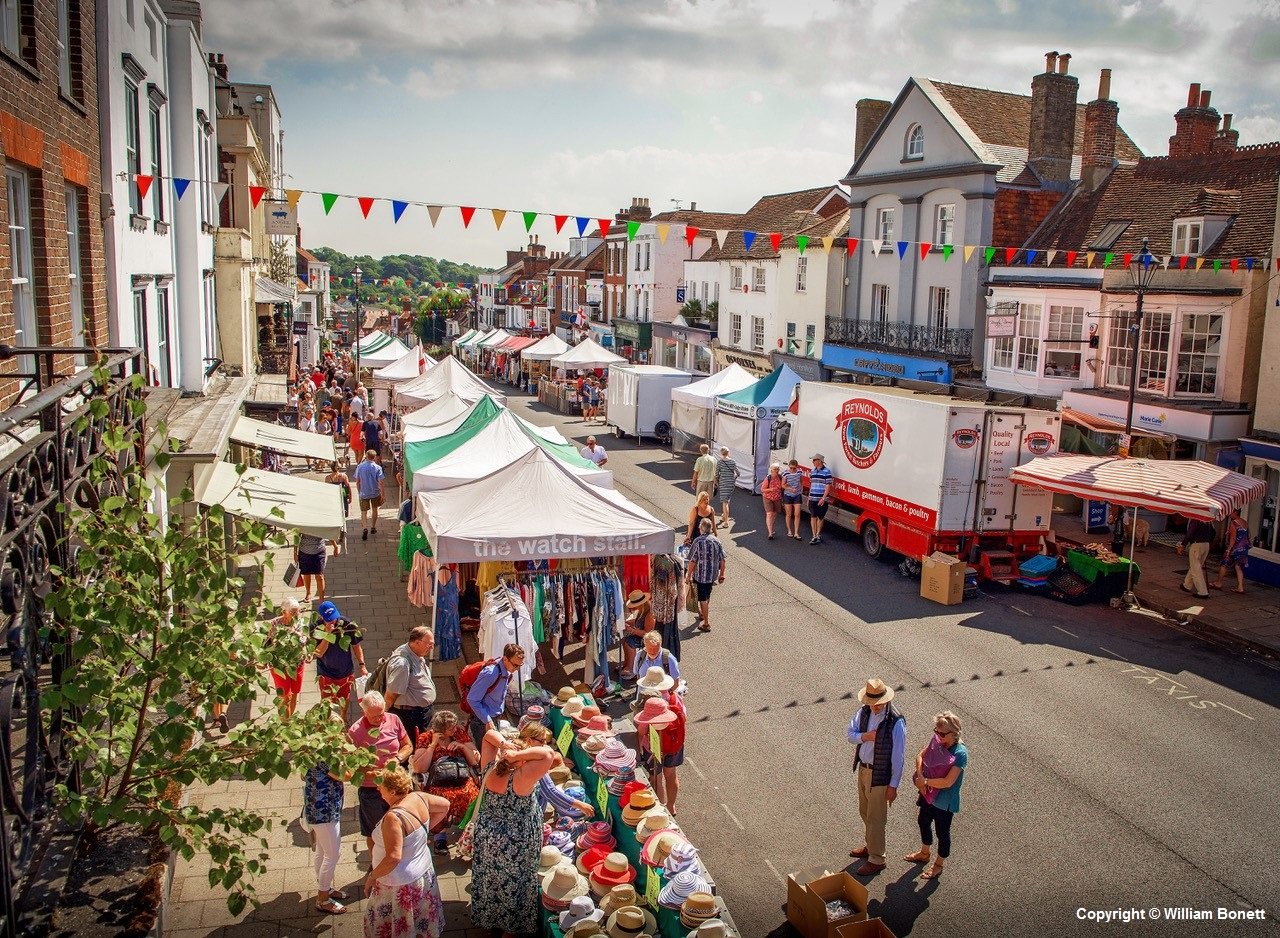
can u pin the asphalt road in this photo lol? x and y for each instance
(1115, 764)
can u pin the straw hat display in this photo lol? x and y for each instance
(640, 802)
(561, 885)
(581, 909)
(631, 921)
(655, 679)
(583, 716)
(698, 908)
(560, 774)
(682, 857)
(594, 745)
(563, 696)
(549, 858)
(617, 897)
(572, 707)
(654, 820)
(658, 846)
(588, 860)
(588, 929)
(598, 725)
(614, 871)
(563, 841)
(624, 796)
(711, 928)
(615, 759)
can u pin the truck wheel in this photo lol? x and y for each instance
(871, 543)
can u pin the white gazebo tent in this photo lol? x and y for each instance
(408, 366)
(545, 349)
(536, 508)
(370, 340)
(744, 423)
(449, 413)
(440, 412)
(304, 505)
(587, 354)
(448, 376)
(386, 353)
(262, 435)
(693, 406)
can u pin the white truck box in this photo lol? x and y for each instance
(639, 399)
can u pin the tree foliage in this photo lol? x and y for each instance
(405, 266)
(161, 625)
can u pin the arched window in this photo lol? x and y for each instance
(915, 142)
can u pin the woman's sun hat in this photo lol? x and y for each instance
(711, 928)
(875, 692)
(594, 745)
(588, 860)
(581, 909)
(641, 801)
(563, 696)
(618, 897)
(585, 715)
(656, 679)
(572, 707)
(681, 887)
(617, 784)
(598, 724)
(682, 858)
(597, 833)
(549, 858)
(562, 884)
(698, 908)
(631, 921)
(636, 599)
(615, 759)
(614, 871)
(658, 846)
(656, 712)
(560, 774)
(653, 821)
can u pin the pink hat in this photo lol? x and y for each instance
(598, 725)
(615, 759)
(598, 833)
(656, 712)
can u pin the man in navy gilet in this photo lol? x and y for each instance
(879, 734)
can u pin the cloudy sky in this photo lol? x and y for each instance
(576, 107)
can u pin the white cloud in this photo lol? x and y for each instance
(755, 97)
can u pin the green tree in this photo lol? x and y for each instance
(692, 310)
(161, 625)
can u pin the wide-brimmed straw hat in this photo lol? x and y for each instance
(594, 745)
(631, 921)
(637, 598)
(698, 908)
(583, 716)
(656, 712)
(619, 897)
(563, 883)
(876, 692)
(653, 821)
(658, 846)
(614, 871)
(656, 679)
(641, 801)
(563, 696)
(572, 707)
(549, 858)
(597, 725)
(581, 909)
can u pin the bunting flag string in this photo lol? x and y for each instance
(1010, 255)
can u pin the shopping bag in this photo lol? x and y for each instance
(292, 575)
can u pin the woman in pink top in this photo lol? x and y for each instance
(771, 490)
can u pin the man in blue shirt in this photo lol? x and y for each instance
(820, 479)
(368, 476)
(879, 735)
(487, 697)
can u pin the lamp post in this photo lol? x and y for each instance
(359, 275)
(1142, 273)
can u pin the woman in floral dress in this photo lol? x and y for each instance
(508, 832)
(402, 896)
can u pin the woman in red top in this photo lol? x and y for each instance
(663, 716)
(771, 491)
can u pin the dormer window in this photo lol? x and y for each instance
(915, 142)
(1187, 236)
(1109, 235)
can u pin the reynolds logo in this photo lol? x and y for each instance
(864, 430)
(966, 437)
(1038, 444)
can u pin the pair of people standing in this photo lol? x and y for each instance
(879, 734)
(718, 477)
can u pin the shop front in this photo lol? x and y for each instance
(809, 369)
(633, 339)
(682, 346)
(1202, 430)
(865, 361)
(1262, 461)
(758, 364)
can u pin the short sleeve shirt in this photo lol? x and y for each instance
(321, 796)
(819, 479)
(338, 662)
(705, 468)
(705, 556)
(357, 407)
(391, 736)
(597, 456)
(409, 676)
(368, 478)
(372, 434)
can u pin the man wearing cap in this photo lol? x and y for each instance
(706, 569)
(820, 479)
(337, 654)
(704, 472)
(411, 694)
(879, 735)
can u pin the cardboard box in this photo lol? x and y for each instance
(942, 579)
(807, 903)
(871, 928)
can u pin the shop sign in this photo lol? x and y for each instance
(886, 364)
(679, 294)
(756, 364)
(626, 329)
(1188, 424)
(280, 218)
(999, 327)
(301, 327)
(810, 369)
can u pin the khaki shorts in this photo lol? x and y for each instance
(367, 503)
(709, 487)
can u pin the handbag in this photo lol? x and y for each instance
(450, 772)
(466, 841)
(292, 574)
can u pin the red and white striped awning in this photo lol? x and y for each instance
(1191, 488)
(1103, 425)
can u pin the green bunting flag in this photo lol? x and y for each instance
(328, 198)
(529, 218)
(946, 252)
(989, 253)
(632, 228)
(1107, 259)
(1217, 265)
(802, 242)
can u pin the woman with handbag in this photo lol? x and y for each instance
(310, 553)
(1236, 555)
(448, 759)
(939, 775)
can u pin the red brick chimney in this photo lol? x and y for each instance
(1099, 148)
(1051, 136)
(868, 113)
(1197, 125)
(1227, 139)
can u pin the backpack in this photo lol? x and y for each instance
(468, 677)
(378, 676)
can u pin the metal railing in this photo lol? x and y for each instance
(900, 337)
(44, 467)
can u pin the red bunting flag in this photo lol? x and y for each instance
(560, 220)
(776, 240)
(924, 249)
(144, 185)
(366, 203)
(1071, 258)
(604, 226)
(1234, 264)
(256, 193)
(1010, 254)
(1128, 259)
(853, 245)
(1182, 262)
(467, 212)
(690, 232)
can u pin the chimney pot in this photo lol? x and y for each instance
(693, 206)
(1050, 59)
(1064, 61)
(1226, 123)
(1193, 94)
(1104, 85)
(1204, 98)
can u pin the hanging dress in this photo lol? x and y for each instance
(448, 622)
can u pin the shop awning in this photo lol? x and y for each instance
(1103, 425)
(1191, 488)
(266, 290)
(262, 435)
(517, 342)
(304, 505)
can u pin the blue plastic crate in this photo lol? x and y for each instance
(1038, 566)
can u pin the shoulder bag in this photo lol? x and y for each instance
(466, 841)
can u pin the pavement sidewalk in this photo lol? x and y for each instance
(1250, 621)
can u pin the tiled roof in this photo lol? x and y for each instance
(698, 218)
(1003, 119)
(1159, 189)
(786, 213)
(836, 226)
(306, 255)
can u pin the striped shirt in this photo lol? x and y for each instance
(819, 479)
(792, 482)
(705, 557)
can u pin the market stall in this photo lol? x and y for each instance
(639, 399)
(448, 376)
(379, 354)
(587, 355)
(484, 443)
(506, 364)
(274, 498)
(535, 359)
(455, 412)
(261, 435)
(744, 423)
(693, 406)
(412, 364)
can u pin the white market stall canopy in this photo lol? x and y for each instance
(262, 435)
(449, 413)
(693, 406)
(266, 290)
(449, 376)
(483, 443)
(385, 353)
(371, 340)
(535, 508)
(305, 505)
(407, 367)
(1187, 487)
(587, 354)
(475, 338)
(493, 339)
(464, 338)
(545, 349)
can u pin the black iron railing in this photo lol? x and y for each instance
(900, 337)
(44, 460)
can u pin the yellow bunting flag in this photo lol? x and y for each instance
(1199, 262)
(968, 251)
(1088, 258)
(434, 212)
(662, 233)
(826, 244)
(498, 215)
(293, 195)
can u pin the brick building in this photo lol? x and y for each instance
(52, 285)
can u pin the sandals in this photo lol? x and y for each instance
(920, 856)
(703, 627)
(932, 872)
(1215, 586)
(338, 894)
(331, 907)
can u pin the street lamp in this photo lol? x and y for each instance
(1142, 271)
(358, 274)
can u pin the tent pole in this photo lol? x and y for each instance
(1133, 541)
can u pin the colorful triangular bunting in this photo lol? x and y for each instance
(775, 238)
(748, 239)
(946, 251)
(605, 223)
(366, 203)
(690, 232)
(1031, 257)
(632, 228)
(1107, 259)
(902, 250)
(560, 220)
(293, 195)
(853, 245)
(144, 184)
(582, 224)
(180, 187)
(988, 254)
(924, 249)
(1199, 262)
(1010, 254)
(467, 211)
(256, 193)
(722, 235)
(434, 212)
(1048, 257)
(529, 219)
(663, 231)
(1071, 258)
(397, 209)
(499, 215)
(968, 251)
(328, 198)
(802, 241)
(826, 244)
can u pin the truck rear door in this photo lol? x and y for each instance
(1003, 443)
